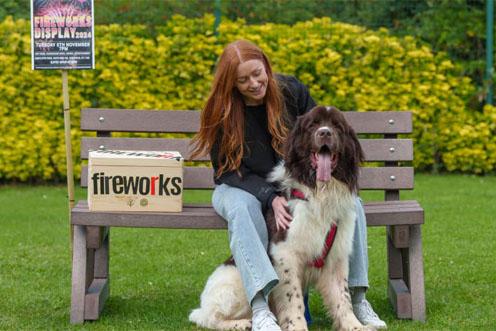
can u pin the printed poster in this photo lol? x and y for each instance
(62, 34)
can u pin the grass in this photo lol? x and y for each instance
(157, 275)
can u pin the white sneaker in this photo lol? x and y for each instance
(265, 321)
(367, 316)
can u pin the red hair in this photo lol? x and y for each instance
(223, 113)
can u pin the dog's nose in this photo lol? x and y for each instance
(323, 132)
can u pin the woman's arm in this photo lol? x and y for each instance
(248, 181)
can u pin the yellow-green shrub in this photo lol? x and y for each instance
(356, 69)
(470, 141)
(343, 65)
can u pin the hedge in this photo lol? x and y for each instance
(343, 65)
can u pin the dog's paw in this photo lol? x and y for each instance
(242, 325)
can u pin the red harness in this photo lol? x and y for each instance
(329, 241)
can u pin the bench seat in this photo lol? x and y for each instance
(203, 216)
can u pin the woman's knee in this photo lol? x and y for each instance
(242, 211)
(248, 214)
(228, 201)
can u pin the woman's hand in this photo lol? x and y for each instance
(283, 217)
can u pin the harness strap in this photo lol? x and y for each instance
(329, 241)
(331, 235)
(297, 194)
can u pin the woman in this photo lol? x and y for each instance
(243, 126)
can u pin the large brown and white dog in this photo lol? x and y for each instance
(319, 177)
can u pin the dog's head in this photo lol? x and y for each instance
(323, 145)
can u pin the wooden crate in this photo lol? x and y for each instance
(141, 181)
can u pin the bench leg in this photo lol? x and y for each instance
(416, 273)
(99, 289)
(398, 292)
(406, 275)
(79, 274)
(102, 257)
(90, 275)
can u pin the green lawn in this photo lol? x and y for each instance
(157, 275)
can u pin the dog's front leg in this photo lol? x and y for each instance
(333, 285)
(287, 296)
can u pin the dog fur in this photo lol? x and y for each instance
(224, 305)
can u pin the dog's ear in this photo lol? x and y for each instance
(291, 154)
(354, 156)
(297, 152)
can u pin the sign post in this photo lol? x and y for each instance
(62, 37)
(67, 135)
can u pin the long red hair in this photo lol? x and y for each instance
(223, 113)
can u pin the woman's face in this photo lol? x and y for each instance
(251, 81)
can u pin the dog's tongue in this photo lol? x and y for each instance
(323, 166)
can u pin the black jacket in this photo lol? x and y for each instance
(259, 157)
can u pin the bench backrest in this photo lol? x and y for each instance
(387, 149)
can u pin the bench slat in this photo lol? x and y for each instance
(377, 214)
(387, 122)
(187, 121)
(370, 178)
(120, 120)
(139, 144)
(375, 149)
(387, 149)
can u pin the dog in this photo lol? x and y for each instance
(319, 177)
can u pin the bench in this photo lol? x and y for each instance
(403, 219)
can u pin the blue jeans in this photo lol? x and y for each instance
(248, 240)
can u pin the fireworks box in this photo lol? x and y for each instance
(135, 181)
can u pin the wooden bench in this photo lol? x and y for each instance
(90, 268)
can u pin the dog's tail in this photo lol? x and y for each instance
(197, 316)
(223, 304)
(202, 317)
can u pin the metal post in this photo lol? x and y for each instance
(489, 50)
(218, 14)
